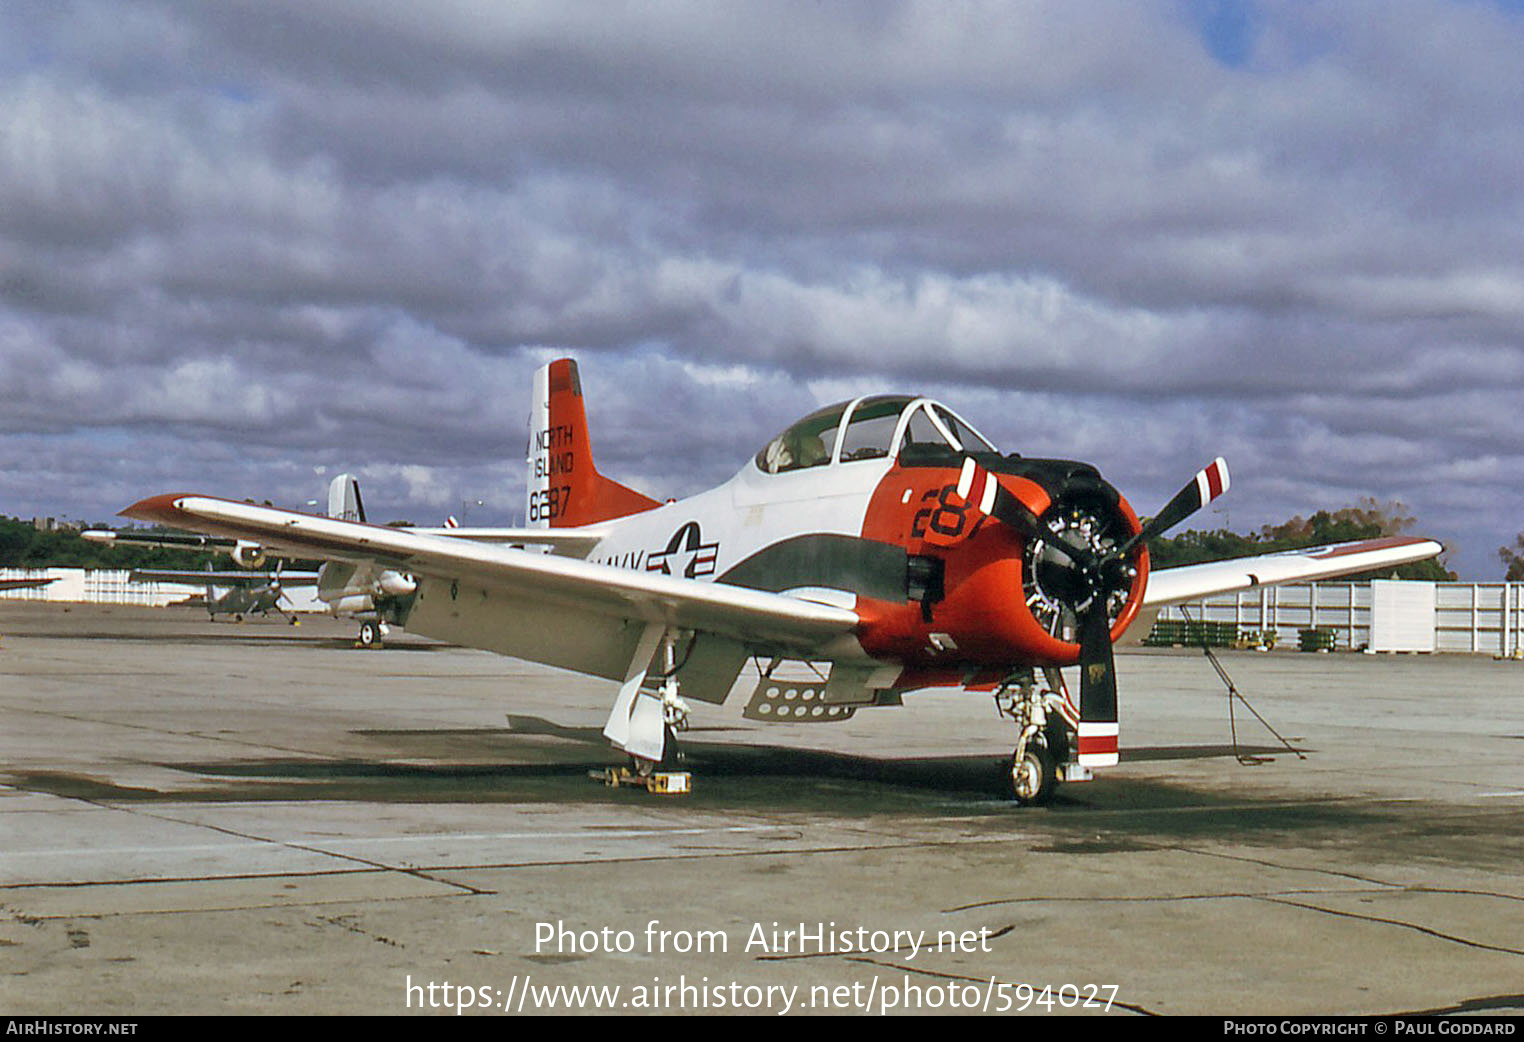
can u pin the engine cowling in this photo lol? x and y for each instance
(1009, 548)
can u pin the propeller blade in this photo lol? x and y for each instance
(980, 489)
(1098, 690)
(1210, 482)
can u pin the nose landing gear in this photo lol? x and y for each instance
(1041, 758)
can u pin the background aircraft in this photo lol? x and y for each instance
(882, 543)
(24, 584)
(235, 593)
(380, 596)
(240, 593)
(260, 592)
(374, 595)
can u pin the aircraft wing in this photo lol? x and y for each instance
(1194, 581)
(535, 587)
(194, 578)
(570, 542)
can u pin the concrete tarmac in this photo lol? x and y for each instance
(202, 817)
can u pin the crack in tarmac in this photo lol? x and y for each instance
(1438, 934)
(417, 873)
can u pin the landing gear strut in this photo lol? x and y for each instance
(646, 717)
(674, 718)
(1041, 757)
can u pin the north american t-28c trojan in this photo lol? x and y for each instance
(882, 541)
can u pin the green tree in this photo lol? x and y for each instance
(1513, 559)
(1367, 519)
(22, 545)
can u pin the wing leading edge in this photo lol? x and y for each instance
(570, 542)
(527, 582)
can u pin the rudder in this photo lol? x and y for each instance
(344, 500)
(565, 488)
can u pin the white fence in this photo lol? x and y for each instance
(100, 586)
(1477, 618)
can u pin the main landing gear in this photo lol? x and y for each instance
(1041, 758)
(646, 717)
(372, 634)
(664, 777)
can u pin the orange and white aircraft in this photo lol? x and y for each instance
(883, 542)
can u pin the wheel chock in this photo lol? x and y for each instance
(658, 783)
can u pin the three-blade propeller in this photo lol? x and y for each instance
(1096, 570)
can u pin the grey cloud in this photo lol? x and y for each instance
(262, 238)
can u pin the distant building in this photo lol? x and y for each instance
(49, 524)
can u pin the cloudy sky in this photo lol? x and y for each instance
(245, 245)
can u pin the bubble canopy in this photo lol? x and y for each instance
(874, 427)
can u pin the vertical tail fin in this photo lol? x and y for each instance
(565, 488)
(344, 501)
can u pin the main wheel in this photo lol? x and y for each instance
(672, 756)
(1030, 780)
(370, 634)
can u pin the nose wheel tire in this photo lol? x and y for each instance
(1030, 779)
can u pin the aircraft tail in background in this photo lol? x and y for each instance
(344, 502)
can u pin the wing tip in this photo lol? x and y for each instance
(163, 509)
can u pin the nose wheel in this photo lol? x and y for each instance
(1031, 775)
